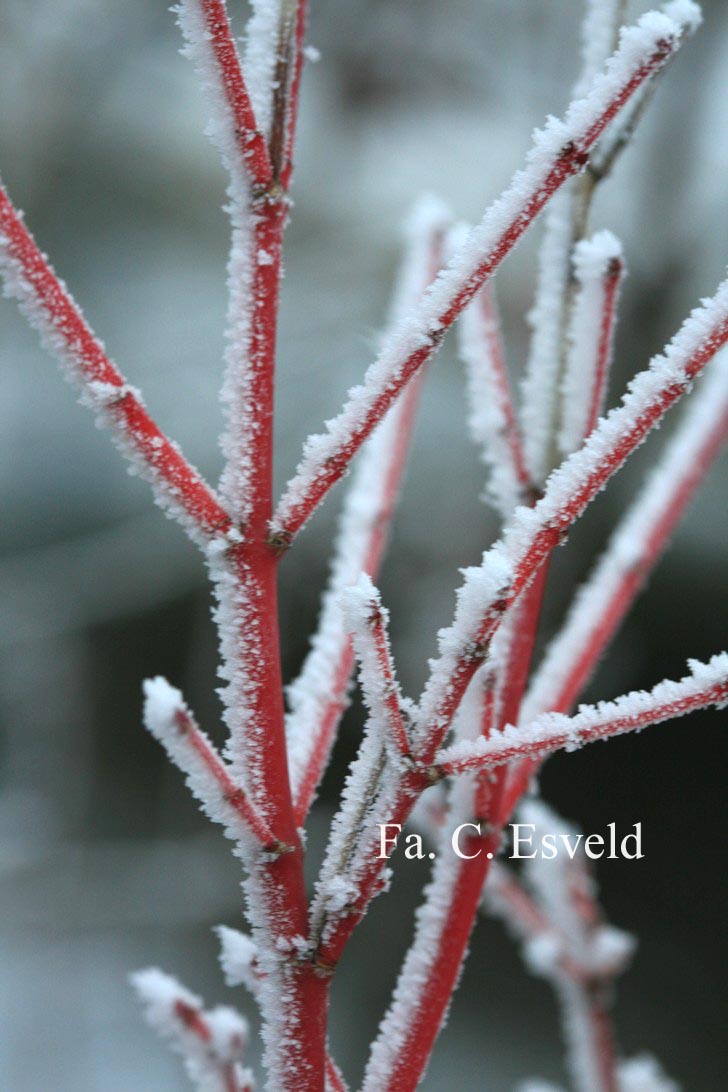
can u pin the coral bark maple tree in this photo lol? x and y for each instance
(479, 729)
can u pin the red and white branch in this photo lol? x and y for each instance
(559, 151)
(318, 697)
(599, 270)
(168, 718)
(49, 307)
(508, 567)
(707, 685)
(427, 980)
(368, 620)
(233, 126)
(492, 418)
(212, 1042)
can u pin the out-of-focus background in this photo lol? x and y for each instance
(105, 863)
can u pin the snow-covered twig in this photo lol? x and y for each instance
(168, 718)
(234, 126)
(706, 685)
(317, 698)
(559, 151)
(428, 976)
(506, 570)
(598, 269)
(368, 620)
(492, 417)
(211, 1042)
(46, 302)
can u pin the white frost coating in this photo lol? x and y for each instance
(704, 413)
(631, 712)
(644, 1074)
(358, 602)
(685, 12)
(238, 959)
(480, 589)
(565, 894)
(211, 1042)
(237, 391)
(540, 383)
(259, 55)
(221, 128)
(665, 372)
(422, 329)
(480, 350)
(421, 957)
(582, 383)
(599, 31)
(538, 413)
(162, 706)
(368, 503)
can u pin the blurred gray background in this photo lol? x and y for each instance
(105, 863)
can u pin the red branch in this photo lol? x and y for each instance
(231, 793)
(391, 697)
(51, 308)
(490, 327)
(556, 732)
(610, 286)
(251, 142)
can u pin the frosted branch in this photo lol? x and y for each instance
(47, 304)
(239, 960)
(211, 1042)
(443, 922)
(598, 270)
(170, 721)
(492, 417)
(233, 126)
(368, 621)
(559, 151)
(707, 685)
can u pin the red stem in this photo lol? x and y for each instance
(166, 465)
(251, 142)
(233, 794)
(609, 726)
(392, 697)
(336, 706)
(491, 334)
(255, 564)
(434, 996)
(607, 624)
(295, 92)
(610, 285)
